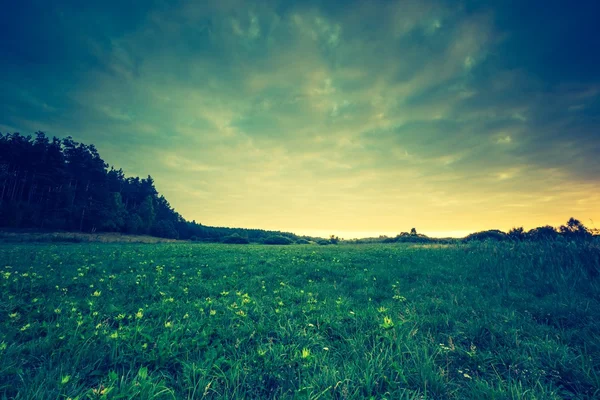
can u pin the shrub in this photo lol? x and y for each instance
(235, 239)
(280, 240)
(543, 233)
(414, 239)
(574, 229)
(302, 241)
(493, 234)
(517, 234)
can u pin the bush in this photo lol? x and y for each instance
(302, 241)
(543, 233)
(235, 239)
(574, 229)
(280, 240)
(416, 239)
(493, 234)
(517, 234)
(323, 242)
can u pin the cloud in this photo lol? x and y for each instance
(401, 111)
(504, 139)
(182, 164)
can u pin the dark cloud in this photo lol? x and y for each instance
(553, 39)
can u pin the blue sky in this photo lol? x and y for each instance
(344, 117)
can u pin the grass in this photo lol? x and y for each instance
(186, 321)
(20, 236)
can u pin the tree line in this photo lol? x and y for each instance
(60, 184)
(573, 229)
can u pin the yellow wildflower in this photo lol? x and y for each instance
(305, 353)
(387, 323)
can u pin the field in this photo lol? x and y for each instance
(20, 236)
(184, 321)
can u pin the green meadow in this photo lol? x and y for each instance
(396, 321)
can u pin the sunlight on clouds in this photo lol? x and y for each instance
(509, 174)
(317, 28)
(519, 117)
(357, 118)
(176, 162)
(504, 139)
(253, 29)
(437, 24)
(115, 114)
(469, 62)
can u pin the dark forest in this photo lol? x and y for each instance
(60, 184)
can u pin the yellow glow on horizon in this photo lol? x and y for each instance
(348, 235)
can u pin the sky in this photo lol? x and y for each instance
(356, 118)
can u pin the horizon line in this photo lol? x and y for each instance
(350, 235)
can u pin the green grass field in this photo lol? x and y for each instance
(184, 321)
